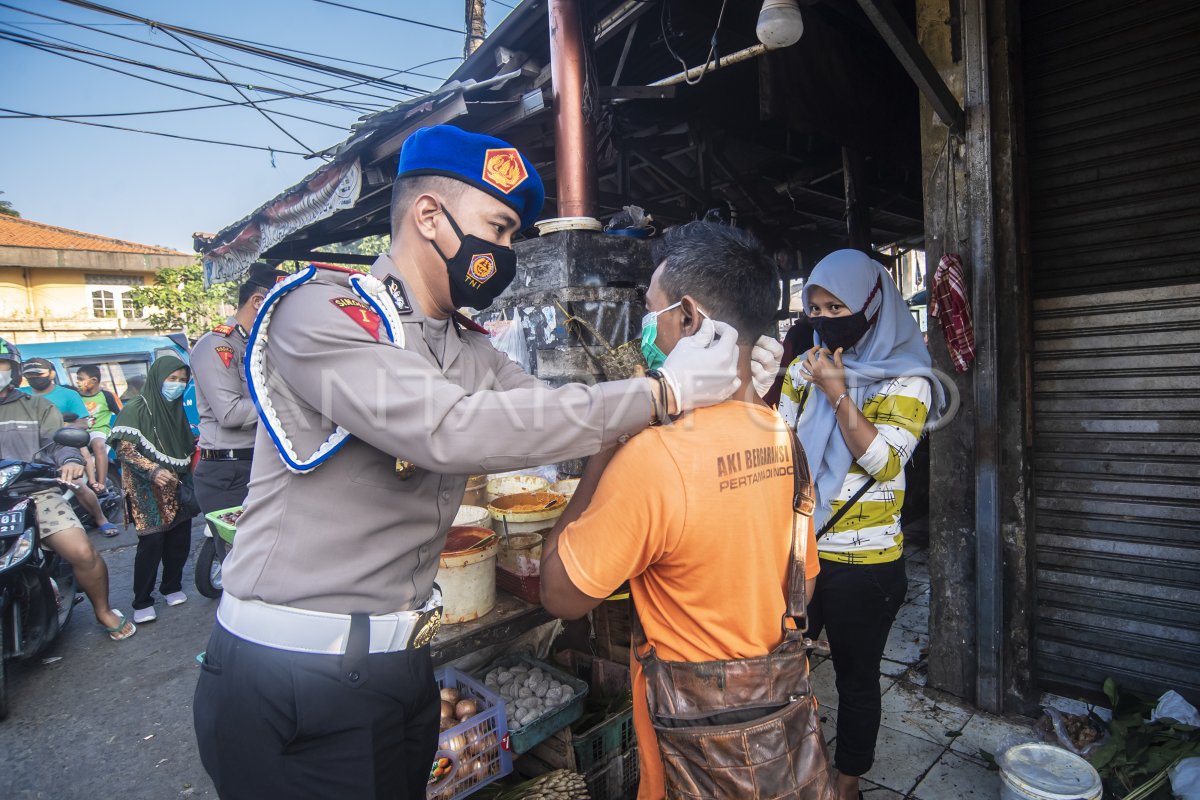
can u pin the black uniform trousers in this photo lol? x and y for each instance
(856, 605)
(278, 724)
(169, 548)
(220, 485)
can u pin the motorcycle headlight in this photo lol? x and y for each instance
(9, 474)
(19, 549)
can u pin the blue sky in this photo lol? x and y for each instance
(158, 191)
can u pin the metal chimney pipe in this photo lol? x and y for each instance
(575, 156)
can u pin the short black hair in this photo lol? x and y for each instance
(247, 290)
(406, 189)
(726, 270)
(88, 371)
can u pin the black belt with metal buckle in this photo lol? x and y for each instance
(244, 454)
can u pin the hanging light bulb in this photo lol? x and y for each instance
(779, 24)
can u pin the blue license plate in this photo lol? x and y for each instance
(12, 522)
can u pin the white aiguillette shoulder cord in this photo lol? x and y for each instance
(371, 290)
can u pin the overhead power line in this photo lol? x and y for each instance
(55, 50)
(235, 45)
(390, 16)
(155, 45)
(27, 115)
(266, 115)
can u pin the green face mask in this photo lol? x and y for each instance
(655, 357)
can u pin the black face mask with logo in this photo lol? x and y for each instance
(480, 271)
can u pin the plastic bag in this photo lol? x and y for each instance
(1056, 728)
(509, 338)
(1185, 778)
(1172, 706)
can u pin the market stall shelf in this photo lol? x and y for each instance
(510, 618)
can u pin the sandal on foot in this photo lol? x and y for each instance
(110, 530)
(114, 632)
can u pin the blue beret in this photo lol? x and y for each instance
(489, 164)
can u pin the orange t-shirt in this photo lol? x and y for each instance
(697, 516)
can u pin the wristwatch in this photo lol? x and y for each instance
(664, 415)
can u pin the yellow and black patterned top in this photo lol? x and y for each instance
(869, 533)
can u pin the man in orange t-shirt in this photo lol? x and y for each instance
(696, 515)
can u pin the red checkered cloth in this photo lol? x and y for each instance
(951, 305)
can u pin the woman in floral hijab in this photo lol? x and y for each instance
(154, 444)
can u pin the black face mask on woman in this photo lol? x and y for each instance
(479, 271)
(846, 332)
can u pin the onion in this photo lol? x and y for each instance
(450, 695)
(447, 723)
(447, 710)
(465, 709)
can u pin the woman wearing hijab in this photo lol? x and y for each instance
(154, 444)
(858, 400)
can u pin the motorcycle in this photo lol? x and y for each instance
(215, 548)
(37, 587)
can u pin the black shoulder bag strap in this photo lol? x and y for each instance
(836, 518)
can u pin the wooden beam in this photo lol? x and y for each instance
(904, 46)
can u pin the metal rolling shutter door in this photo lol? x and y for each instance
(1112, 93)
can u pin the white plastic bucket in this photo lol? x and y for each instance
(1038, 771)
(530, 512)
(566, 487)
(467, 575)
(557, 224)
(472, 517)
(515, 484)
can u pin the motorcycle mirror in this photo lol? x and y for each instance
(72, 437)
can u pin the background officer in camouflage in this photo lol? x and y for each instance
(317, 682)
(228, 419)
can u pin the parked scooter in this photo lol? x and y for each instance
(37, 587)
(218, 533)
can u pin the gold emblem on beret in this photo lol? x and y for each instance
(504, 169)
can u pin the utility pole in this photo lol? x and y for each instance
(476, 27)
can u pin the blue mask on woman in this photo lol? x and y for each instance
(171, 390)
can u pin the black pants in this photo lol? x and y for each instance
(220, 485)
(273, 723)
(169, 548)
(856, 605)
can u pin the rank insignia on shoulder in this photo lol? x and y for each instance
(399, 297)
(226, 354)
(362, 314)
(223, 329)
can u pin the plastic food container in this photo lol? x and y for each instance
(1037, 771)
(225, 529)
(475, 749)
(531, 512)
(472, 517)
(476, 493)
(515, 484)
(467, 574)
(553, 719)
(566, 487)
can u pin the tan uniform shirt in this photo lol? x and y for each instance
(228, 418)
(351, 536)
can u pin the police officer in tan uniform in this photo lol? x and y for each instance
(376, 401)
(228, 418)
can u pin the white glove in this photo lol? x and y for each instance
(765, 359)
(702, 368)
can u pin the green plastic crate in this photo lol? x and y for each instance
(548, 724)
(223, 528)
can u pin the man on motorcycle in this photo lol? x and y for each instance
(27, 425)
